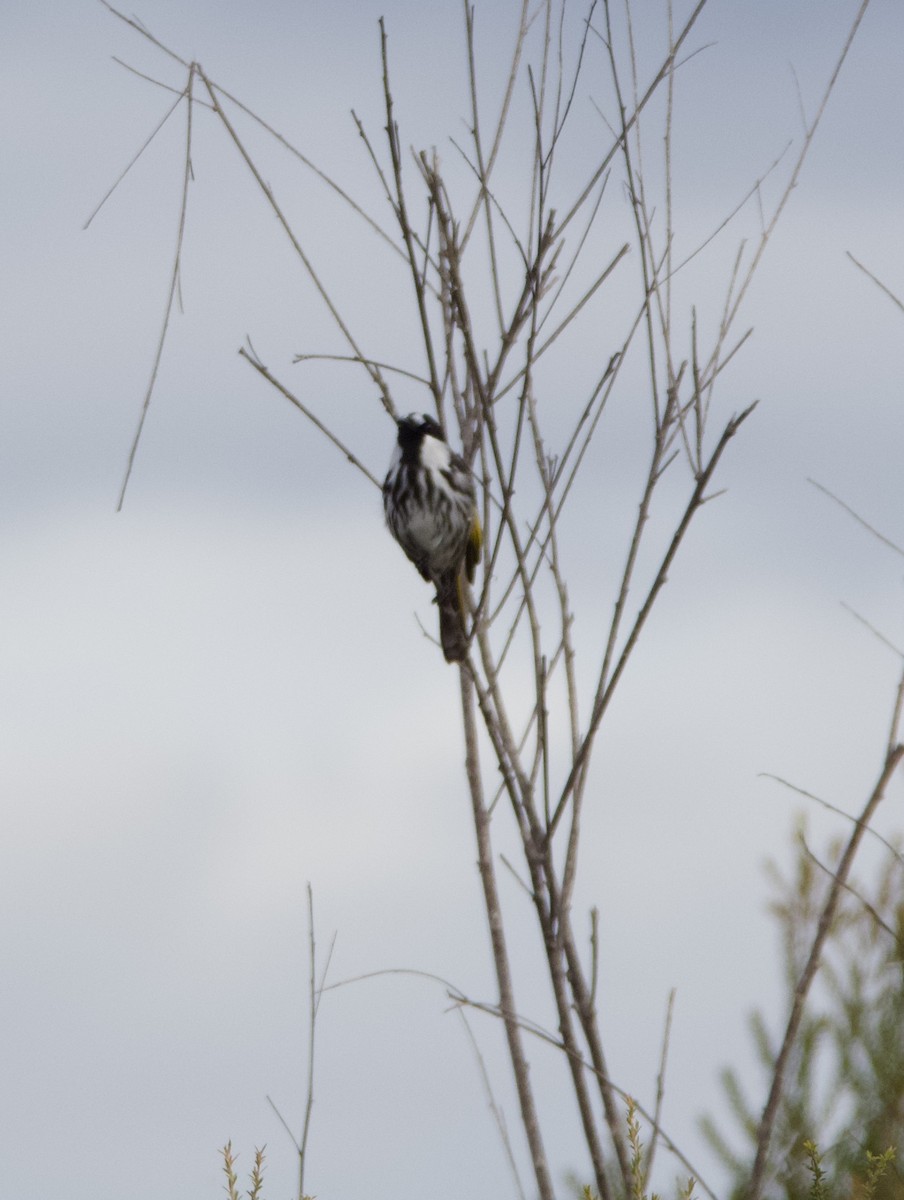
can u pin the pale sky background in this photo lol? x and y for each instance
(221, 692)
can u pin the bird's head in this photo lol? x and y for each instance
(415, 427)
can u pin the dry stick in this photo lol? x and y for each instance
(652, 479)
(643, 512)
(353, 358)
(171, 296)
(534, 1029)
(573, 312)
(315, 420)
(484, 390)
(497, 936)
(697, 499)
(312, 166)
(593, 412)
(866, 525)
(878, 282)
(315, 995)
(556, 934)
(387, 192)
(660, 1079)
(873, 630)
(770, 1112)
(536, 191)
(523, 25)
(558, 938)
(656, 469)
(861, 900)
(467, 410)
(543, 886)
(401, 211)
(508, 488)
(553, 914)
(792, 181)
(494, 202)
(634, 184)
(482, 171)
(543, 883)
(169, 112)
(528, 728)
(669, 225)
(661, 74)
(835, 809)
(528, 404)
(314, 1002)
(136, 25)
(584, 1002)
(535, 274)
(166, 87)
(753, 190)
(559, 980)
(545, 473)
(554, 925)
(374, 372)
(496, 1111)
(561, 116)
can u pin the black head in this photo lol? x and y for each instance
(415, 427)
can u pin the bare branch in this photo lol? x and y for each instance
(250, 357)
(878, 282)
(174, 276)
(373, 371)
(529, 1116)
(860, 521)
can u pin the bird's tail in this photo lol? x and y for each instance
(452, 636)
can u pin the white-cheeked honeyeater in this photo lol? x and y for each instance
(431, 511)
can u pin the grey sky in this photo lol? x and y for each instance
(221, 692)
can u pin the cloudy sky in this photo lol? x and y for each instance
(221, 692)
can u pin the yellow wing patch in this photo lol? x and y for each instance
(475, 542)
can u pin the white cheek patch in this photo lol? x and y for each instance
(435, 455)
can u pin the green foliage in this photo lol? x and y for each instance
(877, 1166)
(845, 1081)
(638, 1172)
(640, 1164)
(814, 1164)
(255, 1179)
(865, 1186)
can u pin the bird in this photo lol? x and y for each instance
(430, 508)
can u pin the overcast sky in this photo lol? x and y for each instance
(222, 693)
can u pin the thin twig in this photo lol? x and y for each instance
(520, 1068)
(660, 1082)
(835, 809)
(860, 521)
(373, 371)
(180, 96)
(250, 357)
(878, 282)
(605, 693)
(174, 281)
(495, 1110)
(314, 995)
(873, 630)
(868, 908)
